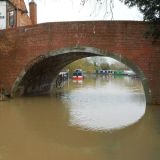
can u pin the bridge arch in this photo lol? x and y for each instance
(40, 74)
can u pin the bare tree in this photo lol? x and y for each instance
(109, 5)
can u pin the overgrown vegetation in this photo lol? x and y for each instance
(90, 65)
(83, 64)
(151, 13)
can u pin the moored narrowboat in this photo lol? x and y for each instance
(78, 74)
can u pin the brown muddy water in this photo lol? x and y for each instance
(99, 118)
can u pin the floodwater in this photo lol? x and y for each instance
(99, 118)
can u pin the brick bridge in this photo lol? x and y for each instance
(32, 56)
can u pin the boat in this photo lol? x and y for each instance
(78, 75)
(130, 73)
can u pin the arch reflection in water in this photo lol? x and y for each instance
(106, 104)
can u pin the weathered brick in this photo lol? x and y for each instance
(21, 46)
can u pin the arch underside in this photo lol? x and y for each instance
(39, 76)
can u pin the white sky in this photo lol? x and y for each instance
(71, 10)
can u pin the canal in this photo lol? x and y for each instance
(99, 118)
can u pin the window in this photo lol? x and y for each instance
(11, 18)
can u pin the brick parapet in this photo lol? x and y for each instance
(124, 39)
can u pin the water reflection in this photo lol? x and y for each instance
(106, 103)
(73, 125)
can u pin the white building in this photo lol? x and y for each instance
(3, 6)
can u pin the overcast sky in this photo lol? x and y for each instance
(71, 10)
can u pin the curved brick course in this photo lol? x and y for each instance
(26, 52)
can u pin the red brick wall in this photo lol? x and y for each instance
(20, 46)
(21, 17)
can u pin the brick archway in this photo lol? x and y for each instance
(71, 54)
(20, 46)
